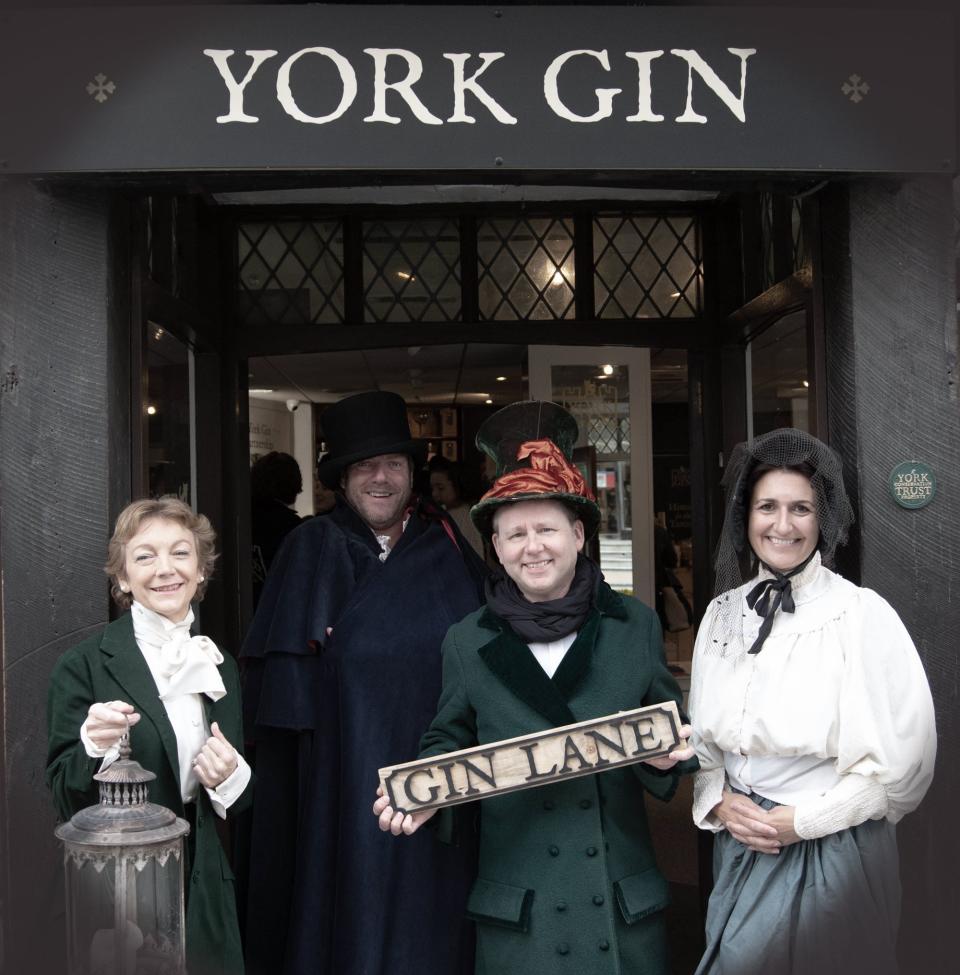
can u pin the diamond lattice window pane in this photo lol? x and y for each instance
(290, 272)
(525, 268)
(646, 266)
(411, 270)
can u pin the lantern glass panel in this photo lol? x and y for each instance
(133, 891)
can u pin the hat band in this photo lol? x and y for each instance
(549, 473)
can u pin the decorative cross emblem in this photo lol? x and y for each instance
(100, 88)
(855, 88)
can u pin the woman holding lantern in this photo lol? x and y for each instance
(178, 698)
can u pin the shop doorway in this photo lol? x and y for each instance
(634, 426)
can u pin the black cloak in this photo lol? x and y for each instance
(329, 894)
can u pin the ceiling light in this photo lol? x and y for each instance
(151, 410)
(254, 392)
(674, 294)
(406, 276)
(488, 401)
(806, 385)
(608, 370)
(501, 379)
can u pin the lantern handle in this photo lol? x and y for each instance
(124, 742)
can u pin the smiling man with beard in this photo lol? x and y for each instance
(342, 676)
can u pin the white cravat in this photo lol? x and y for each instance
(183, 667)
(187, 664)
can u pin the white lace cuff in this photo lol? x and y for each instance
(852, 801)
(708, 789)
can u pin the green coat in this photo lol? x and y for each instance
(567, 880)
(110, 667)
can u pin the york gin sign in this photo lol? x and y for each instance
(446, 89)
(404, 69)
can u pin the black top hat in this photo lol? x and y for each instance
(362, 426)
(528, 472)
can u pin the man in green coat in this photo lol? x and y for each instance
(567, 879)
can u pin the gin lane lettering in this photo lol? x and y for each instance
(532, 760)
(404, 69)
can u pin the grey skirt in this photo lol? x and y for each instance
(820, 907)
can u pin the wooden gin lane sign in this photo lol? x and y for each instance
(533, 760)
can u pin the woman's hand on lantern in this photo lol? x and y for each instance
(107, 722)
(393, 821)
(216, 761)
(666, 762)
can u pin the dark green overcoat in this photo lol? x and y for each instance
(110, 667)
(567, 880)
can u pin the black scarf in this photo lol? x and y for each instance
(769, 595)
(549, 620)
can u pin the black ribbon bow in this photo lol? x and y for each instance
(769, 595)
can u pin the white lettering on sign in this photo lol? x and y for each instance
(645, 112)
(604, 96)
(463, 84)
(403, 87)
(348, 83)
(236, 88)
(713, 82)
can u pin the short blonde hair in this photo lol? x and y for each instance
(170, 508)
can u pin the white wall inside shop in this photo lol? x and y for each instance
(274, 427)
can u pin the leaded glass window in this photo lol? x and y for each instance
(290, 272)
(525, 268)
(646, 266)
(411, 270)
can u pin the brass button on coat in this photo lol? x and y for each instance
(554, 851)
(563, 948)
(598, 900)
(561, 906)
(591, 851)
(604, 945)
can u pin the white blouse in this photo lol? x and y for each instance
(182, 667)
(833, 716)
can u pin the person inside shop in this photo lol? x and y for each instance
(342, 670)
(448, 491)
(146, 676)
(813, 724)
(275, 482)
(567, 876)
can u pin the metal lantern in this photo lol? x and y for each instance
(123, 861)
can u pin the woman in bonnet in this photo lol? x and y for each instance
(813, 724)
(178, 697)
